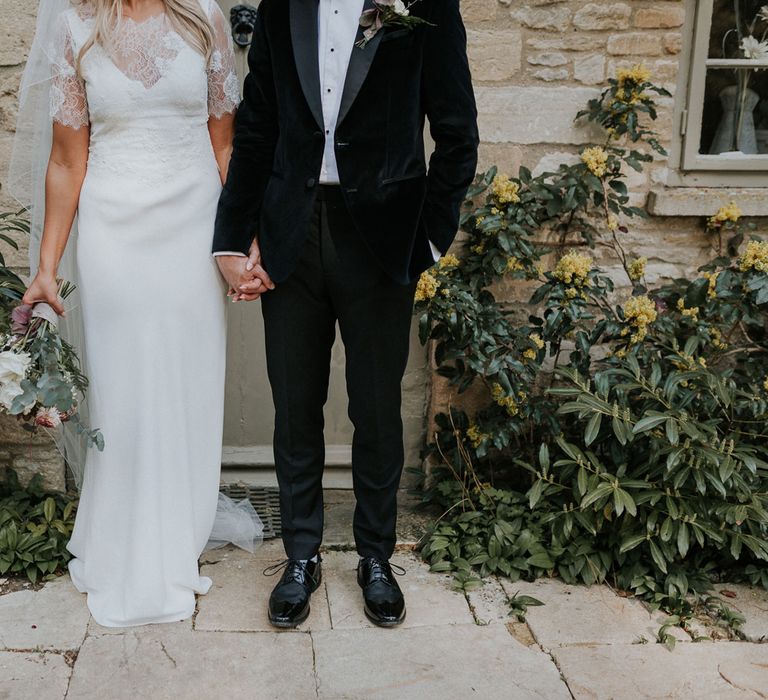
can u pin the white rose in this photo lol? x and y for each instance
(401, 9)
(8, 392)
(13, 369)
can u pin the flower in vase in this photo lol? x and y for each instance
(48, 418)
(754, 49)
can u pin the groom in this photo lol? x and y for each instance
(329, 194)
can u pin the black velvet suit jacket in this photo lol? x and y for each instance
(392, 84)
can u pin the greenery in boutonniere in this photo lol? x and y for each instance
(387, 13)
(617, 434)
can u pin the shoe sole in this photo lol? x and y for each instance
(379, 623)
(293, 624)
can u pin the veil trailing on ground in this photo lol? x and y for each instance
(237, 523)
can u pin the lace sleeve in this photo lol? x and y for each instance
(223, 83)
(69, 103)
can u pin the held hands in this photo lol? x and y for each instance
(44, 288)
(246, 277)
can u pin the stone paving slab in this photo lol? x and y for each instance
(429, 599)
(704, 671)
(42, 676)
(55, 617)
(237, 601)
(751, 602)
(489, 602)
(426, 663)
(176, 665)
(586, 615)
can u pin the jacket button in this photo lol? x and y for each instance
(311, 183)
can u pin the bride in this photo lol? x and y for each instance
(143, 97)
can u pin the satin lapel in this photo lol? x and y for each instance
(304, 38)
(359, 65)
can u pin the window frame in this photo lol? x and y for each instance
(694, 168)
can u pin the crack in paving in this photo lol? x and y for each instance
(170, 658)
(314, 665)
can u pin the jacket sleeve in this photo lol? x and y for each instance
(450, 107)
(256, 131)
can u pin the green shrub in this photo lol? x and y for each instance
(35, 528)
(623, 434)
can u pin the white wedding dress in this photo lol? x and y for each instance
(153, 307)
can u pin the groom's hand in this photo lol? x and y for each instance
(233, 269)
(259, 280)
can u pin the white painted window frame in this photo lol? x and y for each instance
(689, 167)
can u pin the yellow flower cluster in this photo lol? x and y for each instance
(504, 190)
(574, 269)
(508, 402)
(639, 312)
(688, 362)
(613, 223)
(712, 277)
(596, 159)
(717, 339)
(478, 249)
(755, 257)
(636, 269)
(636, 75)
(448, 261)
(426, 287)
(692, 313)
(765, 384)
(513, 264)
(475, 436)
(535, 338)
(729, 213)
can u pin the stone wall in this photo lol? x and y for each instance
(535, 64)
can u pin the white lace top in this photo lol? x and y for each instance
(144, 52)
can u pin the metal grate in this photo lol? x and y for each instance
(265, 500)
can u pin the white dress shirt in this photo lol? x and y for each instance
(337, 25)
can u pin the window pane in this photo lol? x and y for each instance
(736, 99)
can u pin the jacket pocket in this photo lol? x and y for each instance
(403, 178)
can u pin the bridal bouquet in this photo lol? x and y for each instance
(40, 377)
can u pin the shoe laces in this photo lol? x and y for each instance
(382, 570)
(293, 570)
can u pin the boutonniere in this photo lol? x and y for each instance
(387, 13)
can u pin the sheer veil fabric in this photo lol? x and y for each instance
(159, 159)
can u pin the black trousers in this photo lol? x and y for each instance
(337, 280)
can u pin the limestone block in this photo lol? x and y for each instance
(599, 16)
(494, 55)
(17, 27)
(556, 19)
(528, 115)
(665, 16)
(634, 44)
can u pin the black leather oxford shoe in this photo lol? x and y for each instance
(384, 602)
(289, 602)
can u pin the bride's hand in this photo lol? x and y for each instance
(44, 288)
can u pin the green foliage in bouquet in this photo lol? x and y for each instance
(34, 529)
(623, 435)
(41, 382)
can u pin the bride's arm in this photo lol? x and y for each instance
(223, 90)
(222, 131)
(63, 182)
